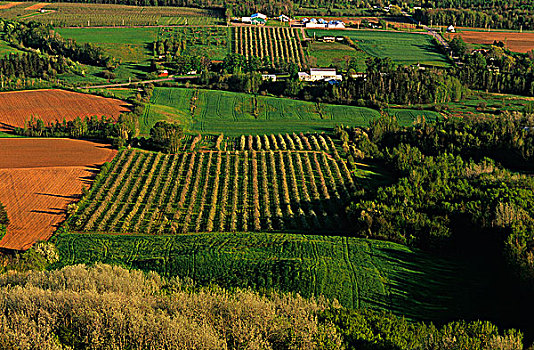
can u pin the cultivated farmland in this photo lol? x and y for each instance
(87, 15)
(51, 105)
(234, 114)
(403, 48)
(268, 183)
(38, 179)
(280, 45)
(514, 41)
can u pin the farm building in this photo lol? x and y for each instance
(163, 73)
(320, 74)
(321, 23)
(451, 29)
(271, 77)
(284, 18)
(256, 19)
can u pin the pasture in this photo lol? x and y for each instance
(38, 179)
(357, 272)
(336, 54)
(133, 46)
(51, 105)
(401, 47)
(212, 42)
(234, 114)
(91, 15)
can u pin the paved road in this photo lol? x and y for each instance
(171, 78)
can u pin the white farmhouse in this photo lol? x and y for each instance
(320, 74)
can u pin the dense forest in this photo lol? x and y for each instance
(455, 184)
(105, 307)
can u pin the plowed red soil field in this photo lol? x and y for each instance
(37, 6)
(39, 178)
(51, 105)
(517, 42)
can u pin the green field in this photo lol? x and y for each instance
(133, 46)
(357, 272)
(237, 114)
(403, 48)
(129, 44)
(213, 42)
(337, 54)
(6, 49)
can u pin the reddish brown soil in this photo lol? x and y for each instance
(38, 179)
(517, 42)
(37, 6)
(51, 105)
(9, 5)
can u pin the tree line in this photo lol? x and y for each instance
(457, 180)
(503, 18)
(110, 307)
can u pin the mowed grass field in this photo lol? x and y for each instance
(129, 44)
(403, 48)
(357, 272)
(325, 54)
(237, 113)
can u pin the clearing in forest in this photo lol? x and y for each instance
(54, 105)
(38, 179)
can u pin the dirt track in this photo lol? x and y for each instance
(39, 178)
(51, 105)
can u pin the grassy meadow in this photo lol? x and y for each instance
(6, 49)
(236, 114)
(357, 272)
(403, 48)
(325, 54)
(131, 45)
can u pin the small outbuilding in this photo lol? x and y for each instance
(284, 18)
(451, 29)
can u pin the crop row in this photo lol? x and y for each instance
(281, 45)
(284, 142)
(205, 191)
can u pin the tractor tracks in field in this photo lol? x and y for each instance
(354, 282)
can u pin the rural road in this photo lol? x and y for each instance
(430, 31)
(170, 78)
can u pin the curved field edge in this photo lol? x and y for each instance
(234, 114)
(355, 271)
